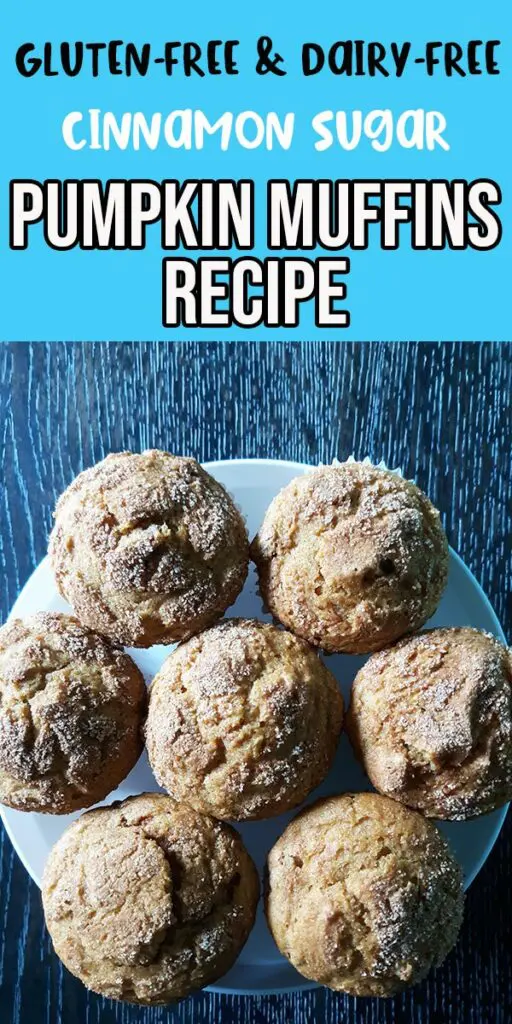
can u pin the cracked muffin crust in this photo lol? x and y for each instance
(351, 557)
(146, 900)
(363, 895)
(71, 714)
(431, 720)
(148, 548)
(243, 721)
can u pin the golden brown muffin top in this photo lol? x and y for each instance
(351, 556)
(363, 895)
(148, 548)
(147, 900)
(431, 718)
(243, 720)
(71, 711)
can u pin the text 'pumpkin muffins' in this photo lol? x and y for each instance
(351, 557)
(363, 895)
(146, 901)
(243, 720)
(431, 720)
(71, 715)
(148, 548)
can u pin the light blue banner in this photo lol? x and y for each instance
(391, 295)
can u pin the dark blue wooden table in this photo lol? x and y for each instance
(441, 412)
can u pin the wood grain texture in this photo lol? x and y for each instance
(441, 412)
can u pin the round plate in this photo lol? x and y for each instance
(260, 968)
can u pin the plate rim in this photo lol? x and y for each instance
(301, 467)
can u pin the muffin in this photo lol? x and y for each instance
(351, 557)
(431, 720)
(147, 900)
(363, 895)
(243, 721)
(148, 549)
(71, 715)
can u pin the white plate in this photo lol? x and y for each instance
(260, 968)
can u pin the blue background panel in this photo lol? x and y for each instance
(392, 295)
